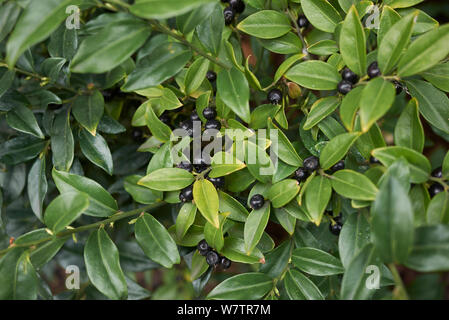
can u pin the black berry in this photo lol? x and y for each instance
(335, 228)
(185, 165)
(275, 96)
(212, 124)
(301, 174)
(186, 194)
(237, 5)
(137, 135)
(373, 70)
(340, 165)
(257, 201)
(194, 116)
(188, 126)
(437, 173)
(203, 247)
(212, 258)
(200, 166)
(397, 86)
(344, 86)
(217, 182)
(350, 76)
(311, 163)
(302, 21)
(374, 160)
(209, 113)
(225, 263)
(211, 76)
(435, 188)
(229, 15)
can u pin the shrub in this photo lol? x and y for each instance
(319, 132)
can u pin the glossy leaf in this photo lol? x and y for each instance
(409, 131)
(265, 24)
(96, 149)
(246, 286)
(299, 287)
(206, 199)
(317, 196)
(234, 91)
(316, 75)
(65, 209)
(353, 42)
(254, 227)
(283, 192)
(353, 185)
(316, 262)
(336, 149)
(321, 14)
(167, 179)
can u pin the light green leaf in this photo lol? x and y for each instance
(206, 199)
(265, 24)
(353, 42)
(353, 185)
(167, 179)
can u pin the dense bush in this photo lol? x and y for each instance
(335, 179)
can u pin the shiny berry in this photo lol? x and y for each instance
(237, 5)
(257, 201)
(397, 86)
(437, 173)
(211, 76)
(212, 124)
(218, 182)
(302, 21)
(373, 70)
(212, 258)
(186, 194)
(435, 188)
(311, 163)
(188, 126)
(275, 96)
(229, 15)
(350, 76)
(225, 263)
(209, 113)
(340, 165)
(200, 166)
(374, 160)
(203, 247)
(335, 228)
(185, 165)
(301, 174)
(194, 116)
(344, 87)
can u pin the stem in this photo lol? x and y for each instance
(298, 31)
(399, 291)
(161, 28)
(117, 216)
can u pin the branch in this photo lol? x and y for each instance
(118, 216)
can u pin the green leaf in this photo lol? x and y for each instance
(438, 209)
(438, 76)
(165, 61)
(287, 44)
(155, 241)
(36, 23)
(199, 266)
(96, 149)
(234, 250)
(196, 74)
(392, 222)
(20, 149)
(409, 131)
(353, 42)
(377, 98)
(62, 143)
(222, 167)
(17, 276)
(314, 74)
(185, 219)
(265, 24)
(160, 130)
(65, 209)
(63, 43)
(349, 106)
(320, 110)
(430, 251)
(354, 236)
(6, 80)
(283, 192)
(445, 166)
(299, 287)
(110, 47)
(210, 30)
(425, 52)
(402, 3)
(283, 68)
(162, 9)
(316, 262)
(394, 42)
(277, 260)
(388, 18)
(337, 148)
(22, 119)
(419, 165)
(101, 203)
(9, 12)
(370, 140)
(167, 179)
(228, 204)
(37, 187)
(317, 196)
(321, 14)
(88, 110)
(213, 235)
(432, 103)
(323, 48)
(234, 91)
(285, 150)
(46, 251)
(206, 199)
(246, 286)
(254, 227)
(103, 266)
(190, 20)
(141, 194)
(353, 185)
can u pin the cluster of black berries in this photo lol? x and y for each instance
(349, 78)
(335, 225)
(210, 114)
(274, 96)
(212, 257)
(235, 6)
(435, 187)
(310, 164)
